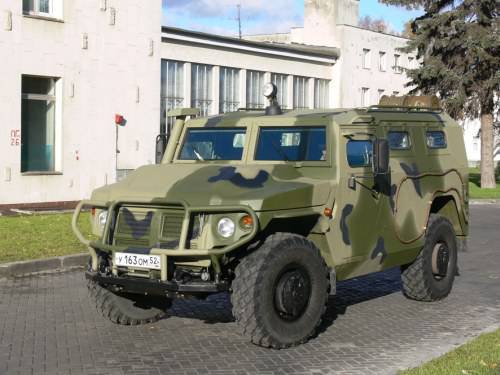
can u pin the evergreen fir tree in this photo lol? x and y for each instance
(458, 44)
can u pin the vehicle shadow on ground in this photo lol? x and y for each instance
(358, 290)
(217, 308)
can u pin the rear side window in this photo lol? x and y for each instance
(359, 153)
(291, 144)
(399, 140)
(436, 139)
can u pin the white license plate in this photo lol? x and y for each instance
(138, 260)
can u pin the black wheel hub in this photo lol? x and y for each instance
(292, 293)
(442, 260)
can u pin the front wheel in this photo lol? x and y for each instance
(430, 277)
(127, 309)
(280, 291)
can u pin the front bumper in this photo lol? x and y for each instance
(155, 287)
(104, 244)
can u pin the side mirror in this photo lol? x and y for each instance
(380, 156)
(161, 144)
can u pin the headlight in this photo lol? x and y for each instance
(103, 216)
(225, 227)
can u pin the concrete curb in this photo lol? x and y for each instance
(484, 201)
(63, 263)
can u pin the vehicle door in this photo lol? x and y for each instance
(359, 245)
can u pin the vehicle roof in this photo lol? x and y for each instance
(342, 116)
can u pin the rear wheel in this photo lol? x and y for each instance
(127, 309)
(280, 291)
(430, 277)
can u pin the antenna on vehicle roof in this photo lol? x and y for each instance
(271, 92)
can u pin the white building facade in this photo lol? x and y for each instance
(72, 68)
(68, 66)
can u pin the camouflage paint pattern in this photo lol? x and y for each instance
(376, 224)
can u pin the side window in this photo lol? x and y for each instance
(359, 153)
(436, 139)
(399, 140)
(291, 144)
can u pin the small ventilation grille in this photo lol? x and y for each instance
(172, 225)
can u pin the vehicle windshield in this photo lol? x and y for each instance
(213, 144)
(291, 144)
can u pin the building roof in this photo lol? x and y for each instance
(322, 54)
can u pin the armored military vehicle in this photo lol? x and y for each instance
(275, 207)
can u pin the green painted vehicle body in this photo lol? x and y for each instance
(361, 221)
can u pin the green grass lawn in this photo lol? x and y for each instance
(480, 356)
(39, 236)
(475, 190)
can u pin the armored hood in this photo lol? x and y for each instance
(266, 187)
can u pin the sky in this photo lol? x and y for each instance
(261, 16)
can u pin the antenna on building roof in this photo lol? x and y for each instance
(239, 19)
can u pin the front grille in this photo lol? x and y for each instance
(133, 226)
(171, 227)
(148, 227)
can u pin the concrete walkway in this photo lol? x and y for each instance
(48, 326)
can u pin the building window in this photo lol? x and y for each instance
(201, 88)
(365, 96)
(38, 124)
(397, 64)
(382, 63)
(380, 94)
(172, 90)
(46, 8)
(321, 93)
(281, 82)
(366, 58)
(411, 62)
(229, 90)
(255, 85)
(300, 92)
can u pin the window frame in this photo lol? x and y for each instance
(297, 104)
(427, 131)
(382, 61)
(281, 82)
(321, 84)
(200, 125)
(227, 106)
(259, 90)
(55, 10)
(410, 142)
(292, 129)
(348, 140)
(57, 99)
(366, 58)
(238, 130)
(164, 92)
(327, 163)
(397, 68)
(206, 101)
(365, 96)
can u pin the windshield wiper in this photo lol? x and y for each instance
(280, 151)
(197, 154)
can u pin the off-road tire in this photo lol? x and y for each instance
(127, 309)
(419, 281)
(255, 286)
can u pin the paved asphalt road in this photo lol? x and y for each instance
(48, 326)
